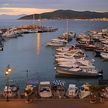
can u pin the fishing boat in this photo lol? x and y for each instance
(28, 90)
(58, 88)
(10, 90)
(72, 91)
(84, 91)
(44, 89)
(105, 92)
(31, 87)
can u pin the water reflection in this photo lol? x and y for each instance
(38, 44)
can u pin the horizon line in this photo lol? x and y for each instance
(3, 14)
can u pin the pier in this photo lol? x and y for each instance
(18, 31)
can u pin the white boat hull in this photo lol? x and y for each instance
(104, 56)
(62, 72)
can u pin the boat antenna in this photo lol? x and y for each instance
(34, 21)
(67, 23)
(39, 19)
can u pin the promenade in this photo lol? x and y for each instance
(51, 103)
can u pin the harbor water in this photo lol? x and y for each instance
(29, 52)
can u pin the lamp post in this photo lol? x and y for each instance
(8, 70)
(28, 90)
(27, 74)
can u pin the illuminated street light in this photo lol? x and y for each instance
(9, 69)
(7, 72)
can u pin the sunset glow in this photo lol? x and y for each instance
(18, 7)
(19, 11)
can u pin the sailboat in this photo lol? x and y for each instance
(39, 28)
(68, 35)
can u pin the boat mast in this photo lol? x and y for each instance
(67, 25)
(39, 20)
(34, 21)
(67, 28)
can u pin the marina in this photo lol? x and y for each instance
(53, 54)
(73, 62)
(46, 90)
(31, 47)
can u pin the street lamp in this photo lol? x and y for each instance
(8, 70)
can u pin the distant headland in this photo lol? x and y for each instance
(69, 14)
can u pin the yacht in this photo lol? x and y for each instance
(104, 55)
(77, 71)
(57, 43)
(44, 89)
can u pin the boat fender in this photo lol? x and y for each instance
(54, 67)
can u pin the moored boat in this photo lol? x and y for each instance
(72, 91)
(77, 72)
(28, 90)
(10, 90)
(104, 55)
(58, 88)
(84, 91)
(44, 89)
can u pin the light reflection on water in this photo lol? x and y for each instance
(30, 52)
(38, 44)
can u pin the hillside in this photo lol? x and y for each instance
(67, 14)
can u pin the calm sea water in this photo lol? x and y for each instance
(30, 52)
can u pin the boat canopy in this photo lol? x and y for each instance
(45, 83)
(72, 85)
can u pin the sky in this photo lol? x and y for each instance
(17, 7)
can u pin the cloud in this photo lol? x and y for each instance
(18, 11)
(29, 5)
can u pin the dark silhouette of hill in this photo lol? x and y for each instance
(67, 14)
